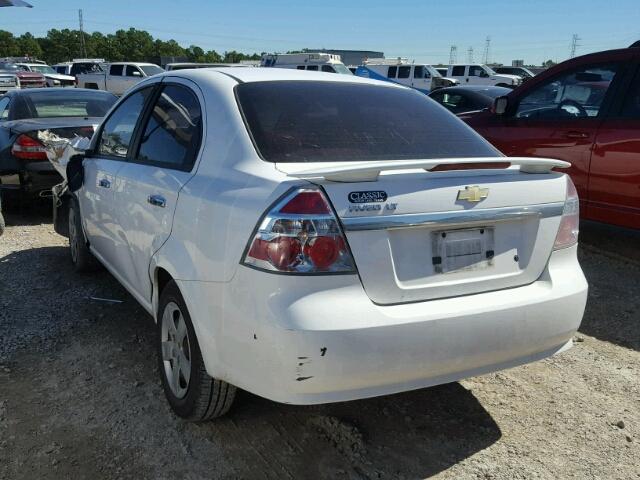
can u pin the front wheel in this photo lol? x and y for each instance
(191, 392)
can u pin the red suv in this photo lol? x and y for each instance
(585, 111)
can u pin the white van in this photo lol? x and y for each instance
(317, 62)
(476, 74)
(423, 78)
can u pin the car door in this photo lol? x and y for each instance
(167, 146)
(132, 76)
(614, 176)
(114, 80)
(96, 197)
(559, 118)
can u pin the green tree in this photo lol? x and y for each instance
(28, 46)
(8, 44)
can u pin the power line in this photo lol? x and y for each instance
(470, 55)
(83, 47)
(487, 49)
(574, 45)
(453, 54)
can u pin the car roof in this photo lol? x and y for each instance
(266, 74)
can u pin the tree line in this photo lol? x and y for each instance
(131, 45)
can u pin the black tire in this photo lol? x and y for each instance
(203, 397)
(81, 257)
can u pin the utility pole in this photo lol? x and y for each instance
(574, 45)
(487, 50)
(83, 47)
(453, 54)
(470, 55)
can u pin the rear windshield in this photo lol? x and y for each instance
(307, 121)
(66, 103)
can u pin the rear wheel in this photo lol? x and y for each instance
(81, 257)
(191, 392)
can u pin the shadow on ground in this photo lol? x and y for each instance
(88, 369)
(610, 259)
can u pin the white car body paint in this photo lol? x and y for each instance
(327, 338)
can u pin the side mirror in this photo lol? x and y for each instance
(500, 105)
(136, 73)
(75, 173)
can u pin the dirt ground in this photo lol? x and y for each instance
(80, 395)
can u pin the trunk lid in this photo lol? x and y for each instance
(418, 235)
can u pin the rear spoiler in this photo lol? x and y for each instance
(369, 171)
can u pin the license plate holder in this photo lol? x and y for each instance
(462, 250)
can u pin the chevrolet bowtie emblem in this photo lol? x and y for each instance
(473, 194)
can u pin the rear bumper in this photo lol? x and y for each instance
(283, 338)
(32, 178)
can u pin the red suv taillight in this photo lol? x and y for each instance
(570, 223)
(27, 148)
(301, 235)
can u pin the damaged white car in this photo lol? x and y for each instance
(317, 238)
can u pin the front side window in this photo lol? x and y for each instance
(404, 72)
(172, 135)
(117, 132)
(300, 67)
(419, 72)
(576, 94)
(311, 121)
(133, 71)
(475, 71)
(328, 68)
(458, 71)
(312, 67)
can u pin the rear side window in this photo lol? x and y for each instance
(404, 72)
(312, 67)
(116, 70)
(308, 121)
(631, 106)
(171, 137)
(4, 111)
(116, 135)
(392, 72)
(300, 67)
(458, 71)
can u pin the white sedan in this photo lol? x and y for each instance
(317, 238)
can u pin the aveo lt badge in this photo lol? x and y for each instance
(473, 194)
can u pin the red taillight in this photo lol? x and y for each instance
(27, 148)
(570, 223)
(300, 235)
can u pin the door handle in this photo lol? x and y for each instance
(157, 201)
(574, 134)
(104, 183)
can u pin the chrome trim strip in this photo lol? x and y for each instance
(485, 216)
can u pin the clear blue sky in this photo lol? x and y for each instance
(534, 30)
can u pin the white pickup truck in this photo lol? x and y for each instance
(476, 74)
(118, 77)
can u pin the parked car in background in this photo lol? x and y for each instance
(318, 238)
(423, 78)
(23, 79)
(522, 72)
(476, 74)
(79, 65)
(118, 77)
(169, 67)
(469, 99)
(585, 111)
(315, 62)
(53, 78)
(24, 167)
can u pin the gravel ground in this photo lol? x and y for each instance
(80, 396)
